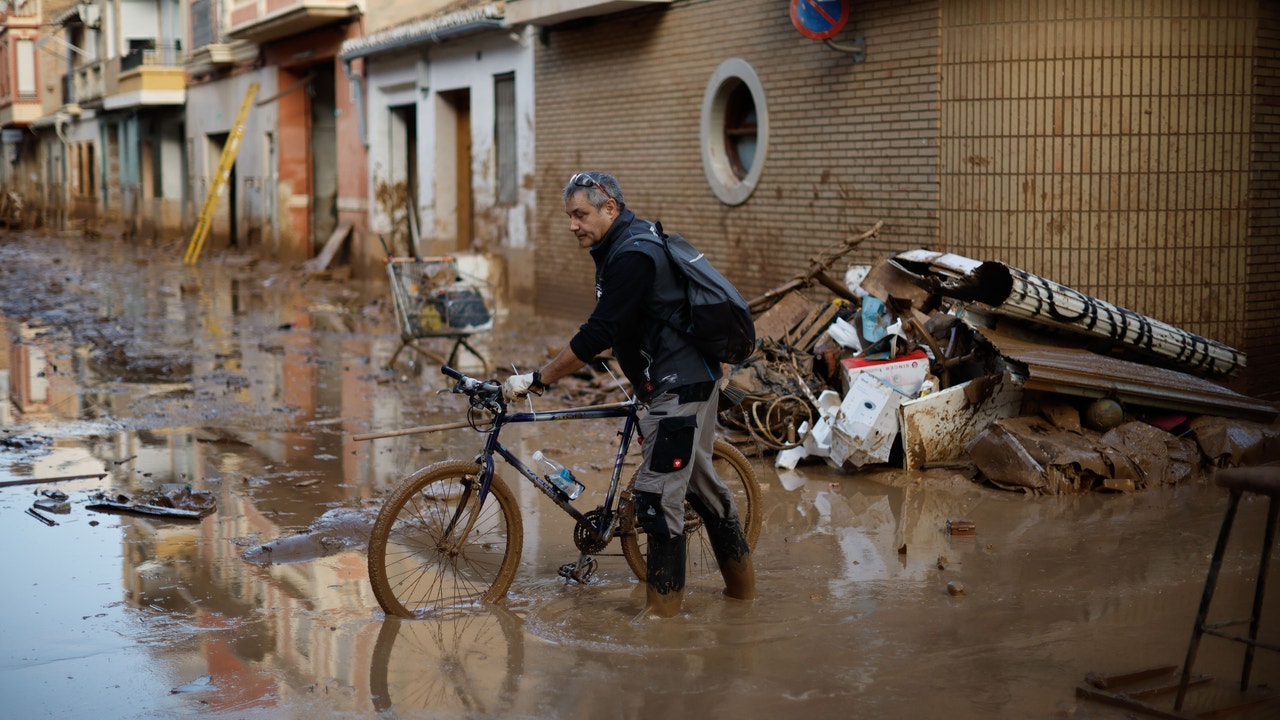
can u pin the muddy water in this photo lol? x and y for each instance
(249, 382)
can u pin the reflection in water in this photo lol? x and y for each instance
(225, 387)
(464, 663)
(250, 388)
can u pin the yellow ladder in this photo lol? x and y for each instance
(219, 182)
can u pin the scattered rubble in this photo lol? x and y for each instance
(928, 359)
(172, 501)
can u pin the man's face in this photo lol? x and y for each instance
(587, 223)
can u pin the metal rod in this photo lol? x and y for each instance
(32, 512)
(1210, 583)
(1260, 590)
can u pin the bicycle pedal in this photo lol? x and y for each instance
(571, 571)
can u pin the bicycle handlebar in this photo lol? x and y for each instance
(483, 393)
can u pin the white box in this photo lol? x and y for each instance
(867, 423)
(905, 372)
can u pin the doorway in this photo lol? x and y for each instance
(226, 207)
(323, 157)
(453, 171)
(403, 134)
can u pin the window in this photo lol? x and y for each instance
(504, 138)
(26, 69)
(735, 131)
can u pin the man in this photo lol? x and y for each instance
(636, 290)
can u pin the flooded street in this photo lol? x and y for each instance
(130, 372)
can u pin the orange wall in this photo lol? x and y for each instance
(295, 57)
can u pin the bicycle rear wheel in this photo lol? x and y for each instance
(736, 472)
(422, 558)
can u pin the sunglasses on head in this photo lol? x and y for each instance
(584, 180)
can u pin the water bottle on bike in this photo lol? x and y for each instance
(559, 475)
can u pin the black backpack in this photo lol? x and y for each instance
(720, 323)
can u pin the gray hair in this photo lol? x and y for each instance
(600, 187)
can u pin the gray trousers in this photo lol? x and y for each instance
(676, 452)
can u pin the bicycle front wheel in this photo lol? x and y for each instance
(434, 547)
(736, 472)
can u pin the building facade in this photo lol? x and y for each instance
(1125, 150)
(295, 180)
(448, 101)
(19, 90)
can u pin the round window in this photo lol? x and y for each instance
(735, 131)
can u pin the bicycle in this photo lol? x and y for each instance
(451, 534)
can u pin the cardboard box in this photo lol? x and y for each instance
(905, 373)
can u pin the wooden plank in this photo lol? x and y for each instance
(321, 262)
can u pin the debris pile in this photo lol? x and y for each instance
(174, 501)
(928, 360)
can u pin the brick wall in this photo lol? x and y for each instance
(1262, 306)
(1106, 150)
(1150, 190)
(850, 143)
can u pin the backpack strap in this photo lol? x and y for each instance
(658, 238)
(623, 244)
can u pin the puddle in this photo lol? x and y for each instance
(133, 372)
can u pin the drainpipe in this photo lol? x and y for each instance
(357, 97)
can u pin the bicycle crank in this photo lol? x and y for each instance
(579, 572)
(587, 535)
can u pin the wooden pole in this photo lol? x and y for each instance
(37, 481)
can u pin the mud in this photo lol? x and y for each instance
(247, 381)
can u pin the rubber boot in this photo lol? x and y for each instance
(664, 577)
(733, 555)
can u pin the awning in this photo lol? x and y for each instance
(552, 12)
(83, 13)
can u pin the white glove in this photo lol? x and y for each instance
(517, 387)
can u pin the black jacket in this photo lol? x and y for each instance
(635, 290)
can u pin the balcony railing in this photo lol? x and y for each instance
(149, 53)
(90, 83)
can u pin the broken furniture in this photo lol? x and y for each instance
(1262, 481)
(432, 300)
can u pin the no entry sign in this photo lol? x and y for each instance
(819, 19)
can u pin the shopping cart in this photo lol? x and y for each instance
(432, 300)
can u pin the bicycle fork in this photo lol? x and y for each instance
(452, 549)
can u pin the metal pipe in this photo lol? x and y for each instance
(357, 97)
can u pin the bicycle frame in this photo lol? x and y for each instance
(492, 446)
(424, 554)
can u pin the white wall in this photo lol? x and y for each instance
(393, 84)
(471, 64)
(171, 176)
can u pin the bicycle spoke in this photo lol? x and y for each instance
(432, 548)
(736, 472)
